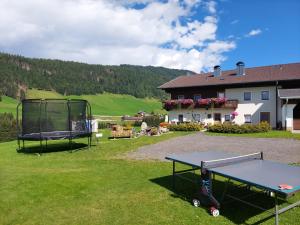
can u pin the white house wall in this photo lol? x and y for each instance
(255, 105)
(192, 115)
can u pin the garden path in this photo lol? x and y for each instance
(278, 149)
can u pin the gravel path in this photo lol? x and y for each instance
(278, 149)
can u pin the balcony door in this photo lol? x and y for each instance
(180, 118)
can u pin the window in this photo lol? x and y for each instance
(208, 116)
(265, 95)
(217, 117)
(196, 117)
(248, 118)
(221, 95)
(247, 96)
(180, 118)
(197, 97)
(227, 117)
(265, 117)
(180, 97)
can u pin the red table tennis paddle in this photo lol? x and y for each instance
(285, 187)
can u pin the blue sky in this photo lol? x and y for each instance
(279, 22)
(183, 34)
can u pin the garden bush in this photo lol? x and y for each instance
(8, 127)
(137, 123)
(239, 129)
(103, 125)
(185, 127)
(153, 120)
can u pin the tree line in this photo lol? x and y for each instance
(17, 73)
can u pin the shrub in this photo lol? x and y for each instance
(228, 127)
(137, 123)
(153, 120)
(264, 126)
(185, 127)
(128, 125)
(8, 127)
(102, 125)
(154, 131)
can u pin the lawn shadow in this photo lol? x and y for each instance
(53, 147)
(236, 212)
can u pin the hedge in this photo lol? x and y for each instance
(185, 127)
(239, 129)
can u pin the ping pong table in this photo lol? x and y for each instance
(250, 170)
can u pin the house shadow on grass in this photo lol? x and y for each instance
(53, 147)
(236, 212)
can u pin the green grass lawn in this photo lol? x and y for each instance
(270, 134)
(107, 104)
(8, 105)
(97, 186)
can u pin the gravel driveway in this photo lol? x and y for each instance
(278, 149)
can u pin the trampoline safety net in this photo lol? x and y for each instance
(48, 119)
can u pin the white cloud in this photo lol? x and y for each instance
(254, 32)
(211, 6)
(113, 32)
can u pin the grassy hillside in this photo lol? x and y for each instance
(107, 104)
(8, 105)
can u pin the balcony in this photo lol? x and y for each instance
(205, 103)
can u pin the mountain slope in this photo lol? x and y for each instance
(18, 73)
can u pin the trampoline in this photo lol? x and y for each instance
(53, 119)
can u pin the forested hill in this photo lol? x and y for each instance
(18, 73)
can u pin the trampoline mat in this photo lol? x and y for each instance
(55, 135)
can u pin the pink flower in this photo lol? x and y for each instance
(235, 113)
(186, 102)
(218, 100)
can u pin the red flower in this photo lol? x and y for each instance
(204, 101)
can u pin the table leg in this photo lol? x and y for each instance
(173, 177)
(276, 211)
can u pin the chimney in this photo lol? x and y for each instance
(217, 71)
(240, 68)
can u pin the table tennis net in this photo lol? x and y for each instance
(231, 160)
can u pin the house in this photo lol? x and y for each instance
(242, 95)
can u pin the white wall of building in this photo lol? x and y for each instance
(256, 105)
(253, 107)
(287, 116)
(198, 115)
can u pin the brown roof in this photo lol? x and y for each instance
(252, 75)
(289, 93)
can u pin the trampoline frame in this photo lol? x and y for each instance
(21, 136)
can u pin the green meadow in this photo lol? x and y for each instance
(8, 105)
(101, 185)
(102, 104)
